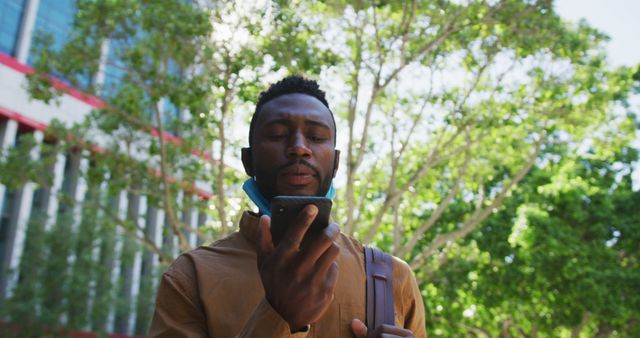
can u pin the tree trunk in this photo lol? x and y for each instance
(575, 332)
(504, 331)
(603, 331)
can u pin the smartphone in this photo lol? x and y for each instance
(285, 210)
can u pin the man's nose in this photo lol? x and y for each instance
(298, 146)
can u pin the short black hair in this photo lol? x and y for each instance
(290, 85)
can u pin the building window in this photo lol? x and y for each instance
(69, 181)
(11, 12)
(8, 221)
(55, 18)
(114, 70)
(170, 116)
(116, 78)
(5, 224)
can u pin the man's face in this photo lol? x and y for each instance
(293, 150)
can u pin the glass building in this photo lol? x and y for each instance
(97, 279)
(55, 19)
(11, 12)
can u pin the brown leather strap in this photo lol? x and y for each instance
(379, 269)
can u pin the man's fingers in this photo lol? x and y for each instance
(316, 248)
(265, 242)
(296, 231)
(326, 261)
(389, 331)
(332, 277)
(358, 328)
(383, 331)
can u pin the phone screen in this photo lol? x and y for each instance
(285, 210)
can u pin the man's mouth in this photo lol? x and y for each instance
(297, 174)
(297, 179)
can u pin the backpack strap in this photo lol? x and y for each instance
(379, 270)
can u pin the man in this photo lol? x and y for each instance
(244, 285)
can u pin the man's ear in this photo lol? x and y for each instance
(336, 162)
(247, 161)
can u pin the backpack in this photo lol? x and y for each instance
(379, 295)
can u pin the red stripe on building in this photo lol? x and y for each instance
(23, 120)
(35, 125)
(91, 100)
(57, 84)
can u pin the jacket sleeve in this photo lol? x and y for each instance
(179, 312)
(266, 322)
(411, 300)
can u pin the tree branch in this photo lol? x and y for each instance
(480, 214)
(394, 195)
(444, 203)
(351, 116)
(168, 206)
(132, 229)
(220, 205)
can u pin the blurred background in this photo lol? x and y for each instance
(492, 145)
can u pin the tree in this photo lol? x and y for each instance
(568, 260)
(462, 100)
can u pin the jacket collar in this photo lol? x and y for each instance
(249, 226)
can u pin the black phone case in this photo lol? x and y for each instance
(285, 209)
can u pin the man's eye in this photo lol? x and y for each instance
(277, 136)
(318, 139)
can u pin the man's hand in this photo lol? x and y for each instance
(299, 281)
(383, 331)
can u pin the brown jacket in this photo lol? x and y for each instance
(215, 291)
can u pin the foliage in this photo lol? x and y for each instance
(559, 257)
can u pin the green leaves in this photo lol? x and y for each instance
(564, 258)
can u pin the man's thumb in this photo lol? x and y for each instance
(358, 328)
(265, 243)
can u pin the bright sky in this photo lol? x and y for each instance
(617, 18)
